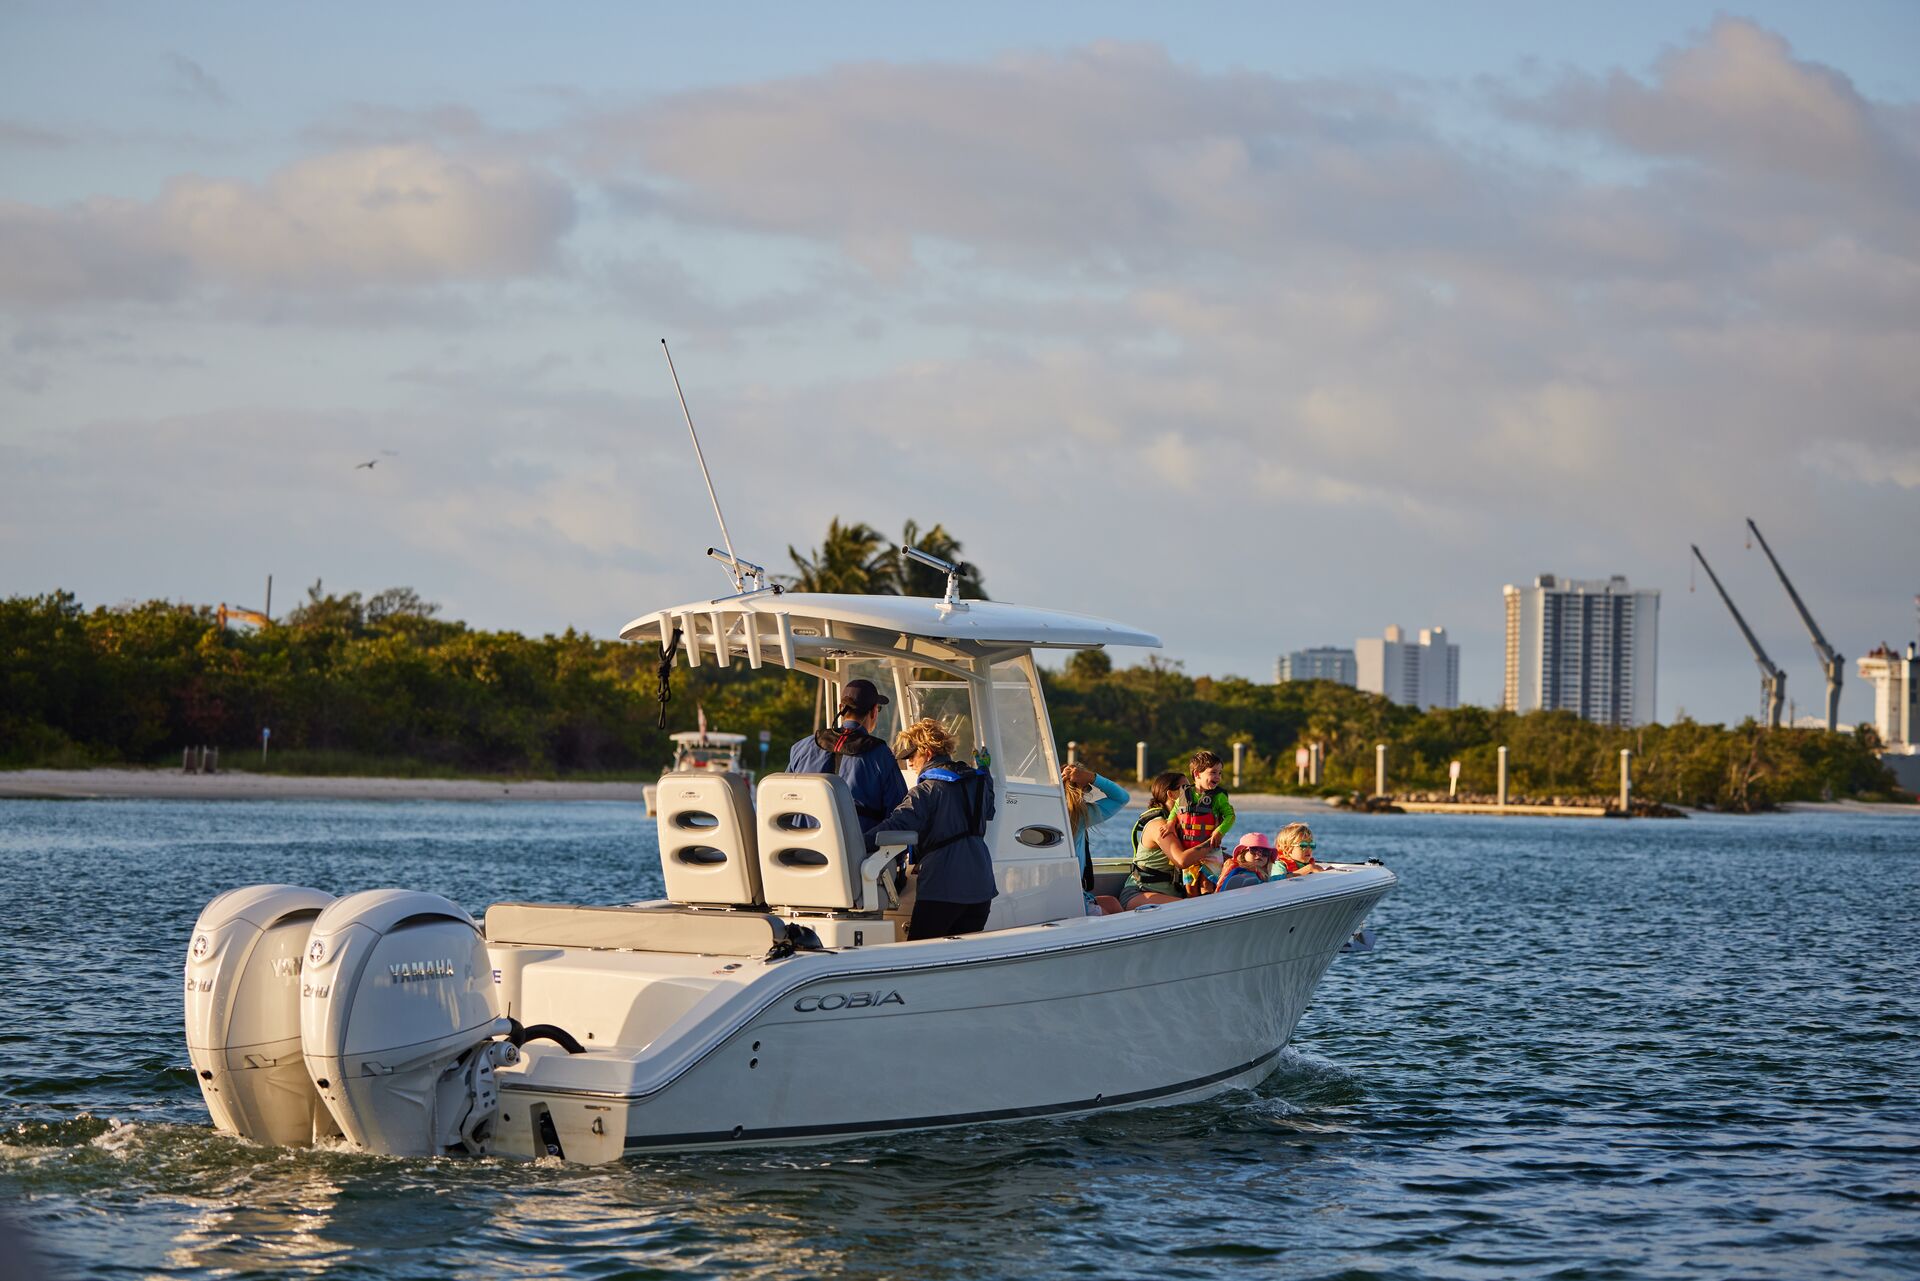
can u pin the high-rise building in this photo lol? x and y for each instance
(1422, 675)
(1321, 663)
(1588, 646)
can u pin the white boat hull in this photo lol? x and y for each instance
(1153, 1007)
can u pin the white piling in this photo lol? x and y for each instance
(1239, 754)
(1140, 760)
(1626, 780)
(1503, 777)
(1379, 769)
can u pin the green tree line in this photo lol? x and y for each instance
(383, 684)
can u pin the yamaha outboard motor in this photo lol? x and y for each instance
(243, 1013)
(398, 1021)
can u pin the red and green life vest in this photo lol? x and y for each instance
(1195, 819)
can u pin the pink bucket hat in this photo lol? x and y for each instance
(1254, 841)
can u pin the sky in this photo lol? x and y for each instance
(1261, 327)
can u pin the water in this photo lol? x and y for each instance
(1582, 1049)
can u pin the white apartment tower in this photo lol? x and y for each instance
(1420, 675)
(1588, 646)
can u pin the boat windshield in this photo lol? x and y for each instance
(1023, 744)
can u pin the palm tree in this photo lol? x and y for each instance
(853, 558)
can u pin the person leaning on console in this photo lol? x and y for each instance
(948, 811)
(850, 750)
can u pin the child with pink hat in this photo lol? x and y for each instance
(1249, 864)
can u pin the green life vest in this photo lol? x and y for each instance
(1151, 870)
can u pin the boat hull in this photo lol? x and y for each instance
(1160, 1006)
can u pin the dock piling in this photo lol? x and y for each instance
(1626, 780)
(1379, 769)
(1503, 776)
(1140, 760)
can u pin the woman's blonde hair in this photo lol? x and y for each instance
(1076, 807)
(1290, 836)
(928, 735)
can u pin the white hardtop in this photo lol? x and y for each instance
(707, 738)
(975, 625)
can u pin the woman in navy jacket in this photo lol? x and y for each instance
(948, 810)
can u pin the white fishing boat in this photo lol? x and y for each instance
(770, 996)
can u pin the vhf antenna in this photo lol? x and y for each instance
(737, 569)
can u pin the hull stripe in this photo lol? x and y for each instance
(932, 1122)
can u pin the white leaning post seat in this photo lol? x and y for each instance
(708, 854)
(812, 852)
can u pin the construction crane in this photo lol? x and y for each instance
(1830, 663)
(1773, 681)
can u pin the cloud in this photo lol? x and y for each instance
(191, 81)
(1736, 96)
(343, 220)
(1109, 149)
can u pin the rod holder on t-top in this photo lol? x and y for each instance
(949, 568)
(740, 571)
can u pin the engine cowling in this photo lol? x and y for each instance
(398, 1021)
(243, 1013)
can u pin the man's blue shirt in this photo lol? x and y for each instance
(873, 775)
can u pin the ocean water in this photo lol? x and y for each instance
(1582, 1048)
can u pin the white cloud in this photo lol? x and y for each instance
(371, 216)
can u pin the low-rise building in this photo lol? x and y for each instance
(1322, 663)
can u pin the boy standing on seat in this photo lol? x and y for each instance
(1202, 814)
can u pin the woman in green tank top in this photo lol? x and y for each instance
(1157, 853)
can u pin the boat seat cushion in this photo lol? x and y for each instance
(640, 929)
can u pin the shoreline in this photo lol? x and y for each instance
(172, 785)
(165, 784)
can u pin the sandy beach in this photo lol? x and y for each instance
(173, 785)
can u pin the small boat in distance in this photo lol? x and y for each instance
(701, 749)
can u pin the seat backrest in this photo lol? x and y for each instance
(811, 846)
(708, 853)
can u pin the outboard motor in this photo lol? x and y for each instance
(398, 1021)
(243, 1013)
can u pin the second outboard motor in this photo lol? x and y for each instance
(398, 1020)
(243, 1013)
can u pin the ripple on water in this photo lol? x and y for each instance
(1580, 1050)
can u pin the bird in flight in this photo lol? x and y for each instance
(368, 464)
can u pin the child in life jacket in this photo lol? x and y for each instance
(1294, 853)
(1249, 863)
(1202, 814)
